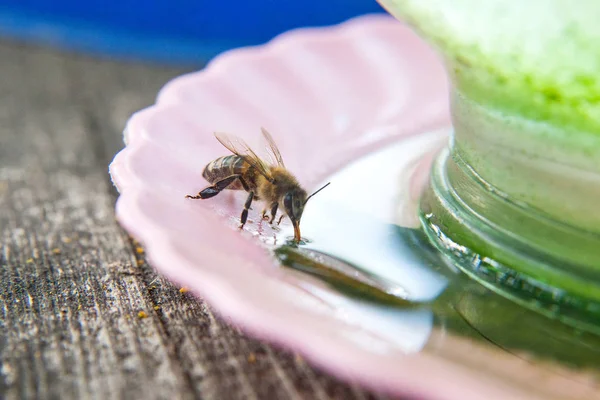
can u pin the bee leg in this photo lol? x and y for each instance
(274, 207)
(244, 184)
(264, 214)
(215, 189)
(280, 218)
(246, 207)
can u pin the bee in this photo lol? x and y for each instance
(270, 182)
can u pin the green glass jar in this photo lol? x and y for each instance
(515, 199)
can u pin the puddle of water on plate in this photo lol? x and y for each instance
(364, 241)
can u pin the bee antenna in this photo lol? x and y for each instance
(322, 187)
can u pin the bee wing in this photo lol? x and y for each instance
(238, 147)
(274, 151)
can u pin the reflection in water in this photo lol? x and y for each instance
(355, 218)
(402, 289)
(365, 241)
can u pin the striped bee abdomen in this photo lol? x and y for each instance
(223, 167)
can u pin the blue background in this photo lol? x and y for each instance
(177, 31)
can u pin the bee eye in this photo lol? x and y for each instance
(287, 201)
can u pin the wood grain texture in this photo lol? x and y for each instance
(72, 283)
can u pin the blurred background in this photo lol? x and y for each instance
(174, 32)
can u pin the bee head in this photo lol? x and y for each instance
(293, 203)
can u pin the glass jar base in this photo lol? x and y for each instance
(500, 258)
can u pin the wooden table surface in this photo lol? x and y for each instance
(71, 281)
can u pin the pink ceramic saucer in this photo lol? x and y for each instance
(329, 96)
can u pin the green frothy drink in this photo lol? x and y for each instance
(519, 186)
(539, 59)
